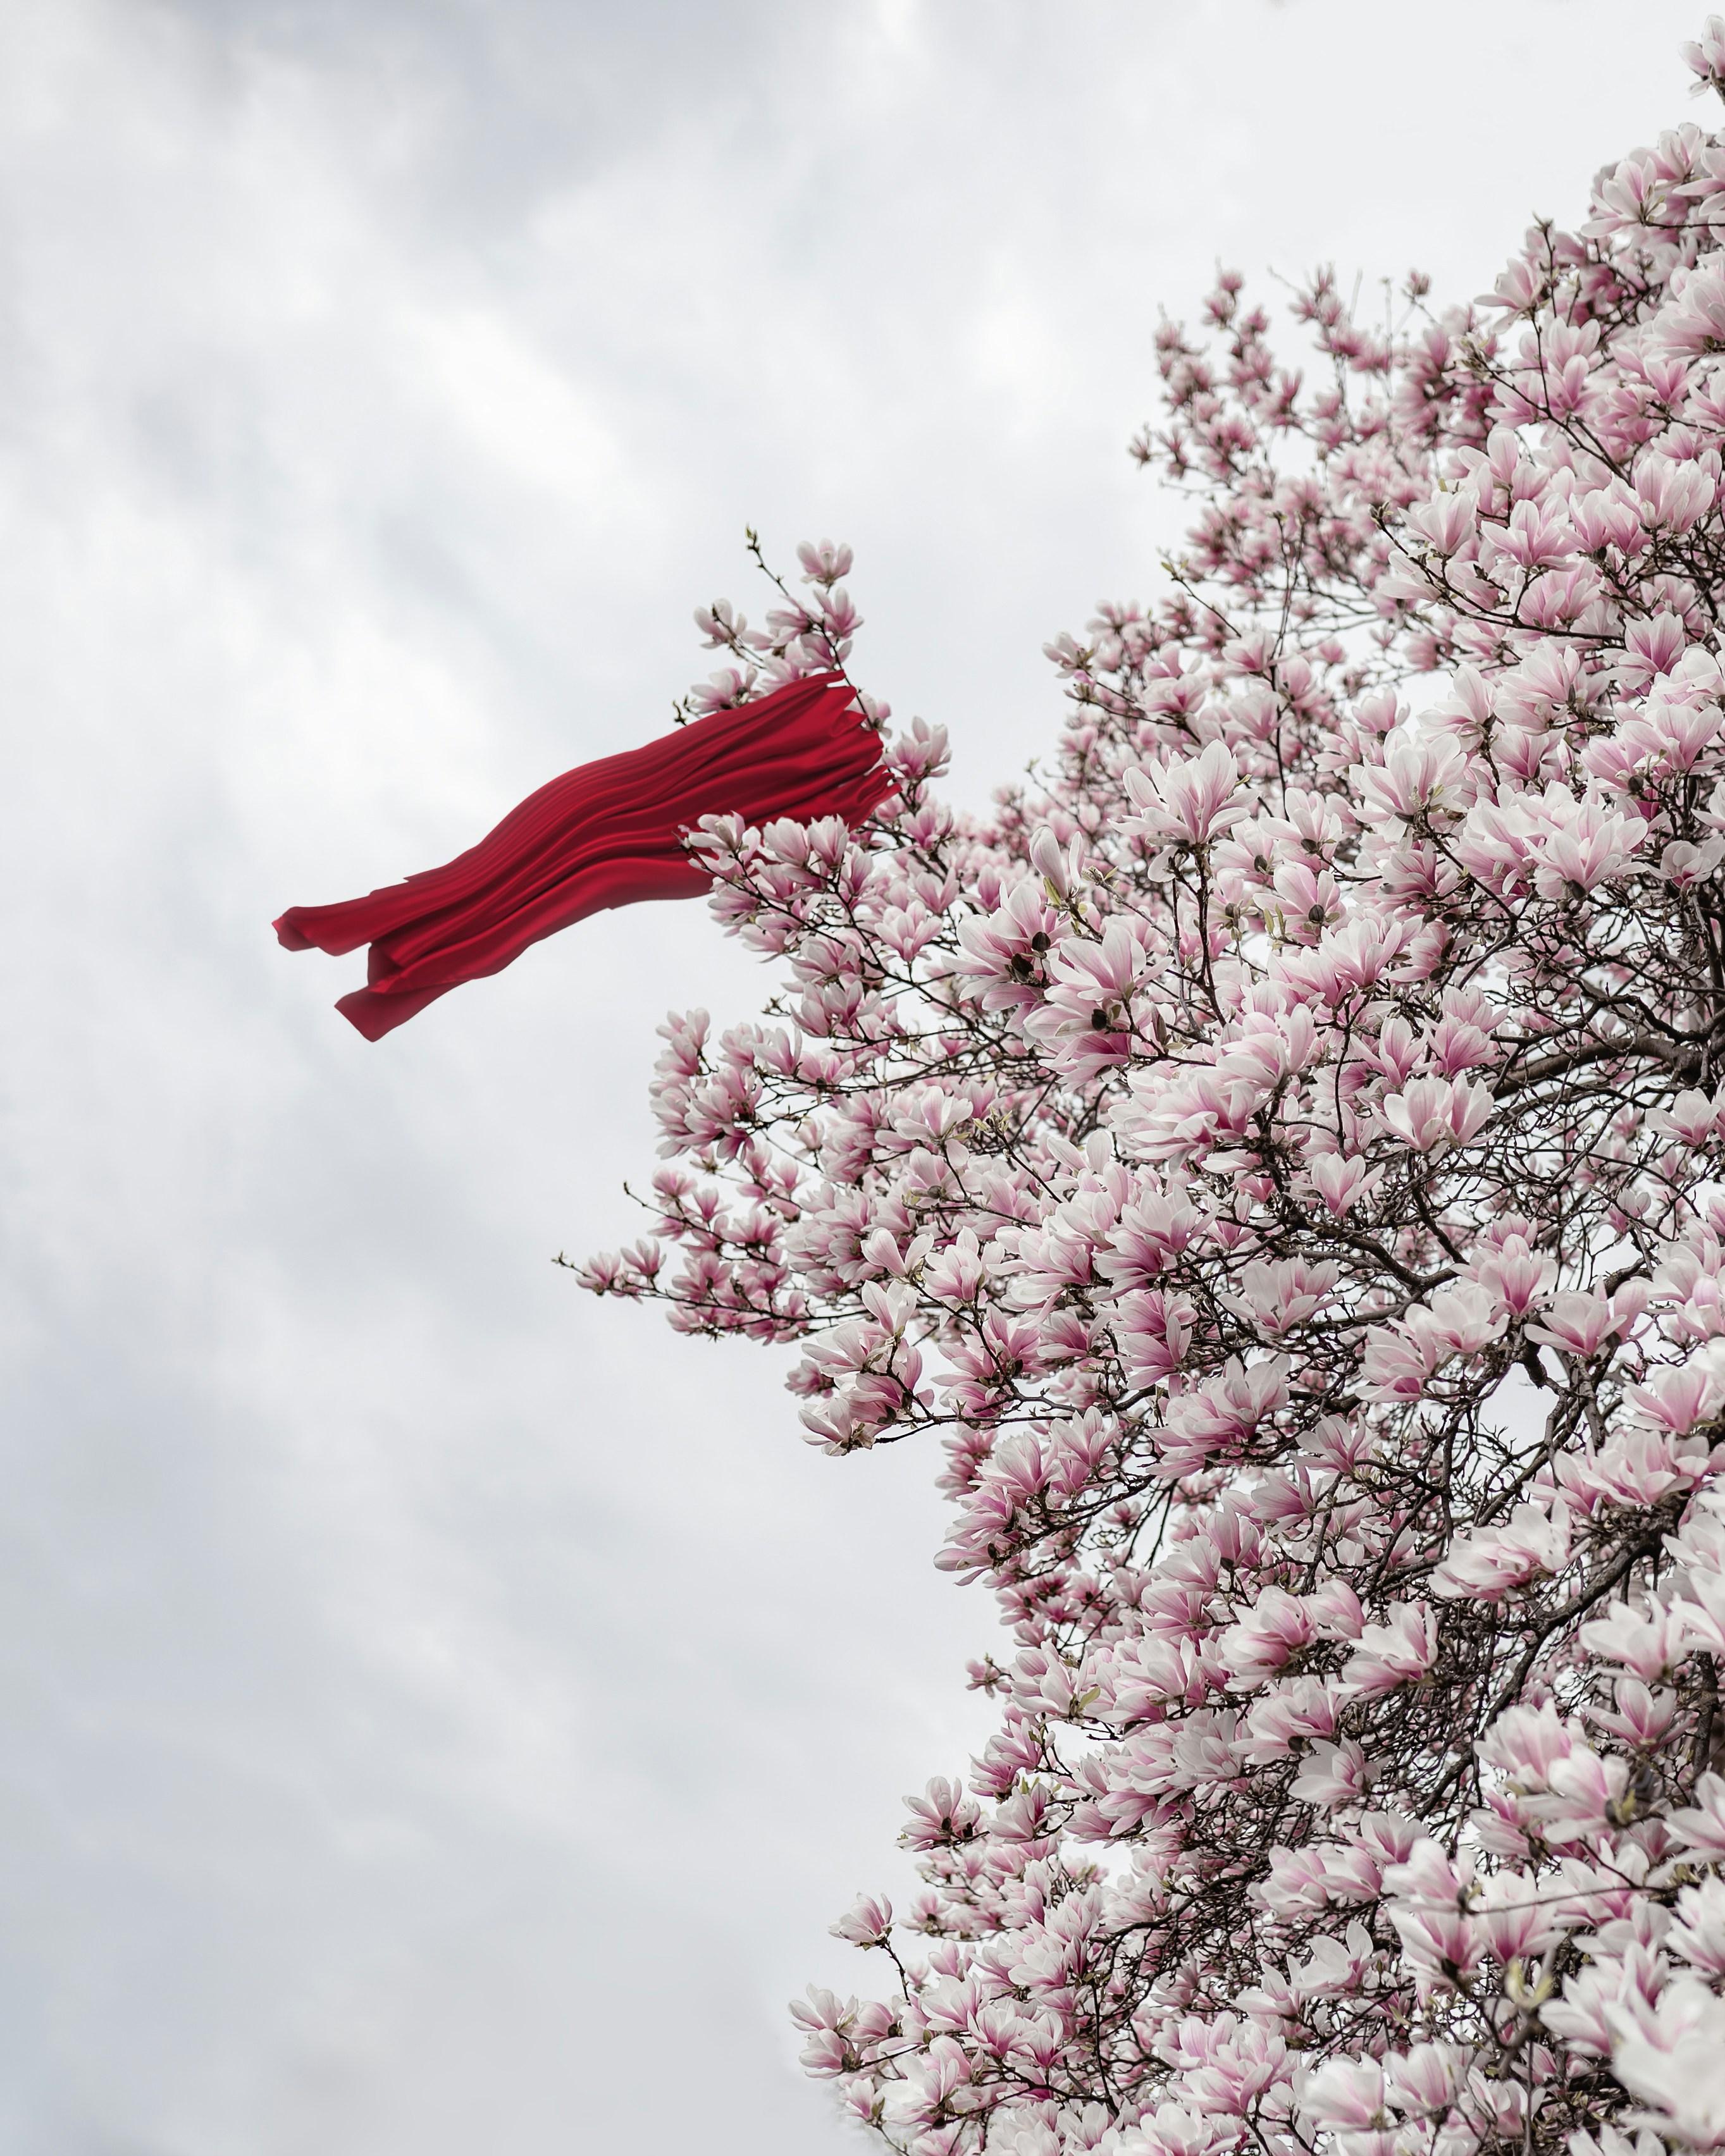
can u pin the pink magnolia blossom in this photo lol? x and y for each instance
(1438, 1111)
(1673, 2058)
(1188, 798)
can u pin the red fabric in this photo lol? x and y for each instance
(606, 834)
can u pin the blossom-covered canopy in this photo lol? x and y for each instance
(1278, 1157)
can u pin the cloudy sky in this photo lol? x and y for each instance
(437, 1713)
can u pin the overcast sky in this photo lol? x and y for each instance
(437, 1713)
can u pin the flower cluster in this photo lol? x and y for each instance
(1279, 1157)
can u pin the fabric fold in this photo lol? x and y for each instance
(607, 834)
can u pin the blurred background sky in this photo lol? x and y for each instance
(438, 1713)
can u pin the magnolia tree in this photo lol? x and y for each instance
(1279, 1159)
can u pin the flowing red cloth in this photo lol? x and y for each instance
(606, 834)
